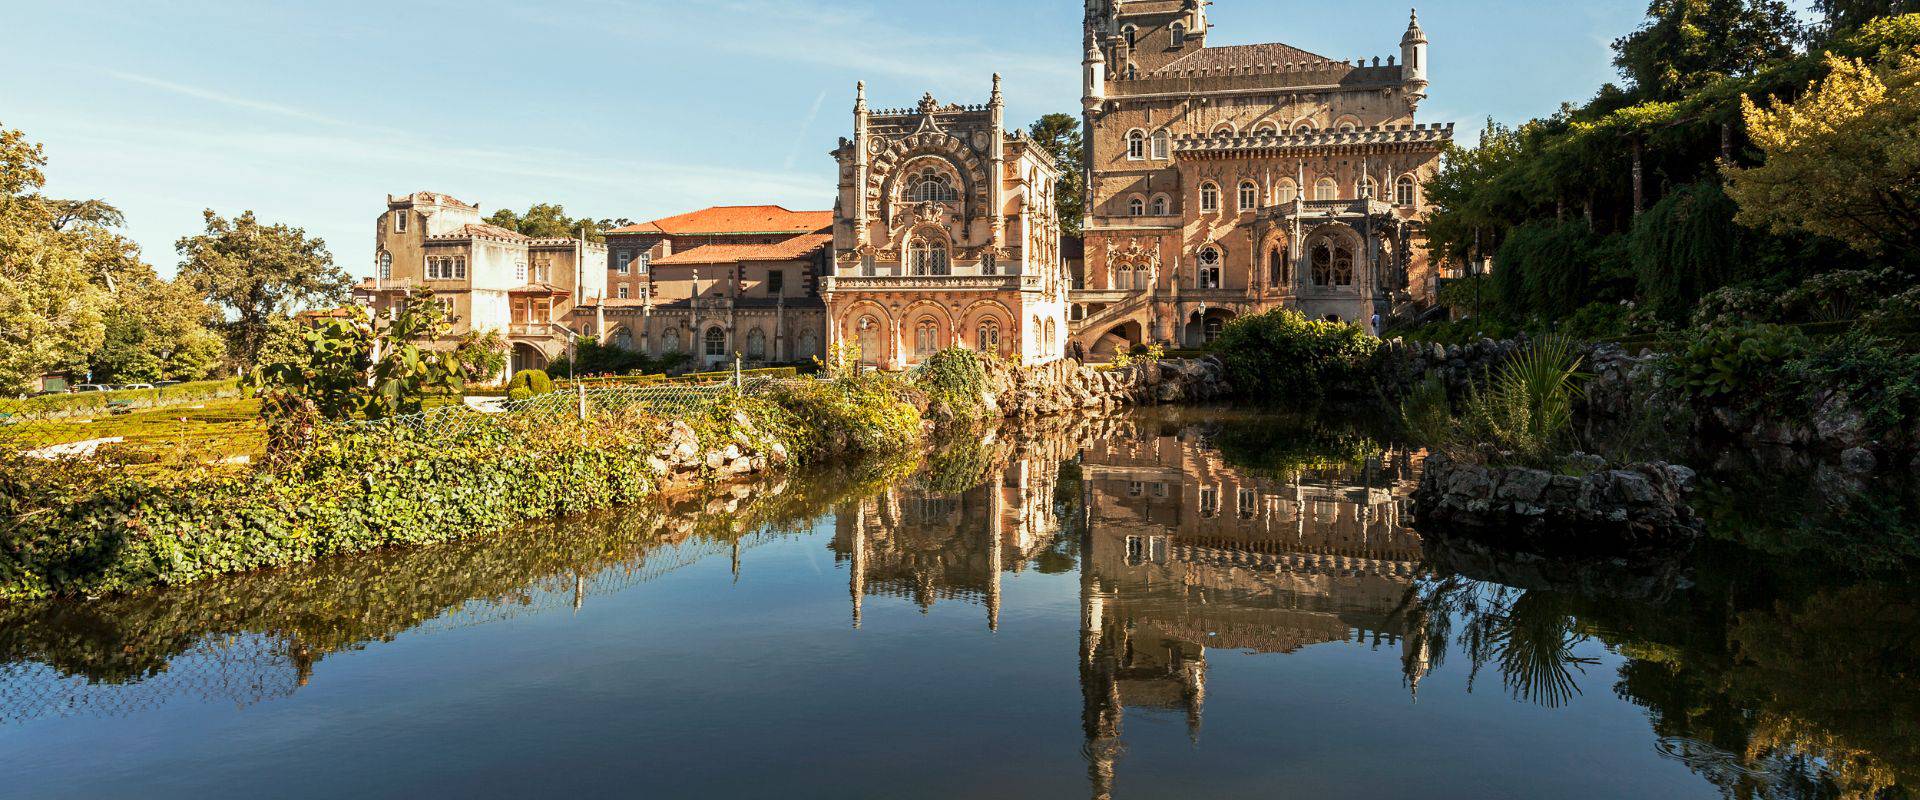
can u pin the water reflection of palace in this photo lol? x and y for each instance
(1182, 553)
(927, 545)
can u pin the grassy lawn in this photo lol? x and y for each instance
(210, 431)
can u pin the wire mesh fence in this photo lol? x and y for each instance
(664, 399)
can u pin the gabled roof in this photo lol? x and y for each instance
(1240, 56)
(792, 249)
(736, 219)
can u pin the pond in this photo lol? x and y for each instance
(1166, 604)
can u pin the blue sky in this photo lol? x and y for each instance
(310, 113)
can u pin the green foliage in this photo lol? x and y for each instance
(550, 221)
(1525, 412)
(481, 356)
(1060, 135)
(55, 406)
(1880, 378)
(1551, 269)
(1686, 246)
(1898, 315)
(51, 261)
(1425, 415)
(954, 381)
(258, 272)
(1686, 45)
(857, 412)
(1282, 357)
(86, 528)
(334, 374)
(1743, 363)
(1140, 354)
(533, 381)
(590, 357)
(1461, 331)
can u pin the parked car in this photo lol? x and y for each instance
(136, 386)
(92, 387)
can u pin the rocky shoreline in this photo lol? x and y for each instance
(1630, 508)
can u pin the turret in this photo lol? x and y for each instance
(1413, 57)
(1093, 85)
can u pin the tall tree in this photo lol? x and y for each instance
(1060, 135)
(1841, 17)
(550, 220)
(1843, 161)
(1687, 44)
(257, 272)
(51, 304)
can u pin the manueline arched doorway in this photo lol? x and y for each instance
(526, 356)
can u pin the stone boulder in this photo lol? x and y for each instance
(1632, 508)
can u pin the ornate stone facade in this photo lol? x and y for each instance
(944, 233)
(1233, 180)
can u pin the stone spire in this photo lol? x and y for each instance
(996, 99)
(1413, 57)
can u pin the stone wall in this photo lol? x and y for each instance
(1605, 511)
(1068, 386)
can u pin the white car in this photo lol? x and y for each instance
(137, 386)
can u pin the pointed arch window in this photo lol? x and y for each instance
(1136, 145)
(756, 344)
(1277, 273)
(386, 266)
(716, 342)
(1332, 265)
(671, 341)
(1209, 196)
(927, 256)
(623, 339)
(1403, 190)
(1123, 276)
(1249, 196)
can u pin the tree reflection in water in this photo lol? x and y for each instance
(1529, 636)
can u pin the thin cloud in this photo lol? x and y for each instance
(225, 99)
(800, 136)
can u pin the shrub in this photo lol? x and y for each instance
(1551, 268)
(954, 381)
(1283, 357)
(1743, 362)
(1879, 378)
(533, 381)
(1525, 413)
(1898, 315)
(62, 405)
(1732, 306)
(1687, 245)
(855, 413)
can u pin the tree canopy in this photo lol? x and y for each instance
(1686, 45)
(1060, 135)
(550, 220)
(258, 272)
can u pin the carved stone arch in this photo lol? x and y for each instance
(886, 171)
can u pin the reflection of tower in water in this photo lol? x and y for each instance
(1182, 553)
(926, 546)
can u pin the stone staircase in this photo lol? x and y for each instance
(1109, 315)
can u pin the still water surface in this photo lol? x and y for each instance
(1200, 604)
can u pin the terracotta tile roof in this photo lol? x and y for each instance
(736, 219)
(792, 249)
(1244, 55)
(538, 288)
(489, 232)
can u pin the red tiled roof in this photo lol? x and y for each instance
(538, 288)
(736, 219)
(792, 249)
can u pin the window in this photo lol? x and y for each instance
(1179, 35)
(716, 342)
(1160, 206)
(1136, 145)
(1266, 129)
(987, 265)
(519, 272)
(1277, 267)
(930, 186)
(1160, 139)
(1136, 207)
(386, 266)
(986, 338)
(400, 221)
(756, 344)
(623, 262)
(1123, 276)
(446, 268)
(1223, 132)
(1332, 265)
(671, 341)
(621, 291)
(926, 338)
(868, 268)
(1249, 196)
(1129, 31)
(1369, 189)
(776, 281)
(644, 259)
(623, 338)
(1286, 192)
(1053, 339)
(1211, 328)
(1326, 189)
(927, 256)
(1209, 197)
(1208, 276)
(1246, 502)
(1209, 501)
(1403, 190)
